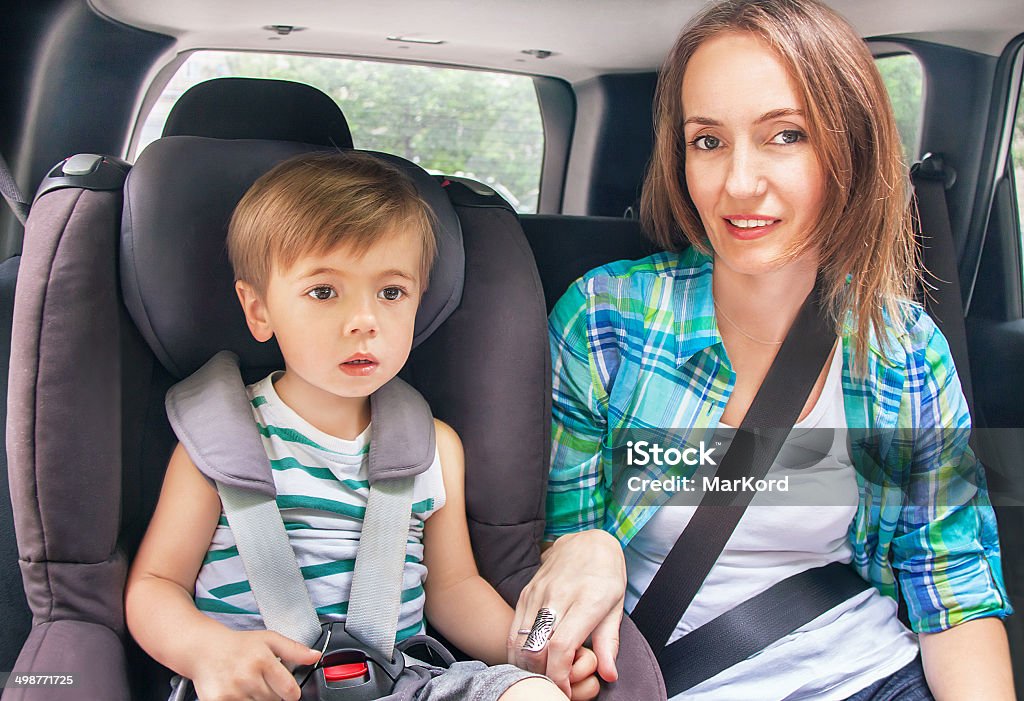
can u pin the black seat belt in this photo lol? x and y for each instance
(784, 607)
(9, 189)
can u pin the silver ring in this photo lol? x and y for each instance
(524, 631)
(543, 627)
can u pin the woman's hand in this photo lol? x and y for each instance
(582, 578)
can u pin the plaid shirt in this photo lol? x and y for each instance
(635, 346)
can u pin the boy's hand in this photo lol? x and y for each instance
(251, 664)
(583, 675)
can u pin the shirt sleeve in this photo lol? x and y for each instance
(576, 497)
(946, 548)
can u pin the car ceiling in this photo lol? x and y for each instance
(585, 37)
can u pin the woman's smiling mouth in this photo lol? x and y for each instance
(746, 227)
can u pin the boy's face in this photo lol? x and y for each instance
(344, 322)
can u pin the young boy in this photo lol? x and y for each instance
(331, 255)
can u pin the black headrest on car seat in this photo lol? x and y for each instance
(255, 108)
(176, 279)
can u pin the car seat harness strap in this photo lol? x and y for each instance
(211, 415)
(269, 561)
(376, 593)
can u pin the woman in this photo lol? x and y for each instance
(776, 162)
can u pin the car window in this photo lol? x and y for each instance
(904, 79)
(476, 124)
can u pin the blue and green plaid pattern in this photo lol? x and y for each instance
(635, 346)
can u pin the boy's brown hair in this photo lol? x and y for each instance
(311, 203)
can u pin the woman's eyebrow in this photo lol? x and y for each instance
(766, 117)
(703, 121)
(779, 113)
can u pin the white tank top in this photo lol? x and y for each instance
(781, 534)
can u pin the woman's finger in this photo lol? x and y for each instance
(567, 639)
(522, 620)
(531, 650)
(605, 641)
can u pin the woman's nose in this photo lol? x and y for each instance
(745, 178)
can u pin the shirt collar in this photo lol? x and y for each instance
(696, 326)
(693, 305)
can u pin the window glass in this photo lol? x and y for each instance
(1017, 158)
(476, 124)
(905, 81)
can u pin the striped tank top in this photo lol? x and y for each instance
(322, 488)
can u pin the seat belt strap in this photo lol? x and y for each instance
(943, 298)
(11, 192)
(758, 440)
(755, 624)
(270, 565)
(376, 595)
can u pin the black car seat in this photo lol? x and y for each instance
(122, 292)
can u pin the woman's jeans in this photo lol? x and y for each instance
(907, 684)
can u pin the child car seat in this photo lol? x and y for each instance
(96, 345)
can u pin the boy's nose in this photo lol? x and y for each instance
(362, 325)
(361, 320)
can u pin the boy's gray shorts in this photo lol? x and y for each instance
(463, 681)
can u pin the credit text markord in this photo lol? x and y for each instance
(708, 484)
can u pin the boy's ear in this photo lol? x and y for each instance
(255, 310)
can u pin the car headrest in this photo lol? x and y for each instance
(176, 278)
(255, 108)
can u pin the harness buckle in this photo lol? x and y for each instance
(348, 669)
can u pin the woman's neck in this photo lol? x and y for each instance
(762, 306)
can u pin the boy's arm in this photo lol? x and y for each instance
(460, 603)
(159, 608)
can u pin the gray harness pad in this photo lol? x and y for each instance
(210, 413)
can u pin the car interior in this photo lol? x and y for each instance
(133, 128)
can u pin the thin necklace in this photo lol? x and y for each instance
(737, 327)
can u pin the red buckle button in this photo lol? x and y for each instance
(341, 672)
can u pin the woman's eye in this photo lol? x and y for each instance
(322, 292)
(392, 294)
(789, 136)
(706, 143)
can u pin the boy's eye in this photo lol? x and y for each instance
(322, 292)
(789, 136)
(706, 143)
(391, 294)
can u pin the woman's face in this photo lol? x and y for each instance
(750, 169)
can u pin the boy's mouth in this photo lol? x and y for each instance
(359, 365)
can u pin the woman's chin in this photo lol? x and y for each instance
(762, 257)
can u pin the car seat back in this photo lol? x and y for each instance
(109, 314)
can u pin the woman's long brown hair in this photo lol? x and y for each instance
(864, 233)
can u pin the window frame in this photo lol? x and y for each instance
(556, 107)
